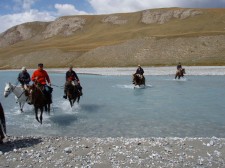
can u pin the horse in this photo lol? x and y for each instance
(72, 93)
(180, 73)
(2, 124)
(40, 100)
(138, 80)
(19, 92)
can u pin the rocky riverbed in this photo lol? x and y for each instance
(112, 152)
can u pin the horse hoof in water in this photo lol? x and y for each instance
(37, 119)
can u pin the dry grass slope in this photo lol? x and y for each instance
(154, 37)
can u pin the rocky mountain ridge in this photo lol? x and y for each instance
(173, 34)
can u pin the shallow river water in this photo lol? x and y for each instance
(111, 107)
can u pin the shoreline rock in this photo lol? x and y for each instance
(112, 152)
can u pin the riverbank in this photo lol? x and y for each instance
(112, 152)
(190, 70)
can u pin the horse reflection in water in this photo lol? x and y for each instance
(138, 80)
(72, 92)
(180, 73)
(2, 124)
(41, 100)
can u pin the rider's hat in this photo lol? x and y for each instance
(23, 68)
(40, 64)
(139, 65)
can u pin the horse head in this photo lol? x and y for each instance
(8, 89)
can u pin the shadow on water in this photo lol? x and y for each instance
(91, 108)
(19, 143)
(64, 120)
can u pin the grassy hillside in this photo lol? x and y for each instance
(100, 43)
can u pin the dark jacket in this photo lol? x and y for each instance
(24, 78)
(179, 66)
(140, 71)
(71, 75)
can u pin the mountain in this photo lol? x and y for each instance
(154, 37)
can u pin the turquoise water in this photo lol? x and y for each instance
(111, 107)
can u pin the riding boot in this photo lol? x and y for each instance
(65, 94)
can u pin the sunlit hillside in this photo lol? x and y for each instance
(155, 37)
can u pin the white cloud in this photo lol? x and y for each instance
(30, 15)
(117, 6)
(121, 6)
(67, 9)
(23, 4)
(8, 21)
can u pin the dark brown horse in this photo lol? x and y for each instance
(138, 79)
(72, 93)
(40, 99)
(180, 73)
(2, 124)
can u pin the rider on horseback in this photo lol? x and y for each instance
(179, 67)
(41, 78)
(24, 78)
(71, 76)
(139, 72)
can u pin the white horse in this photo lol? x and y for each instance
(19, 92)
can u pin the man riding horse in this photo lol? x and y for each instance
(24, 79)
(180, 71)
(40, 78)
(71, 76)
(41, 92)
(138, 77)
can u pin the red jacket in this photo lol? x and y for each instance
(41, 76)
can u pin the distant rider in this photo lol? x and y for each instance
(140, 71)
(179, 67)
(24, 78)
(71, 76)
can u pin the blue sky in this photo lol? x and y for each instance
(14, 12)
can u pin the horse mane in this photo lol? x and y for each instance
(38, 96)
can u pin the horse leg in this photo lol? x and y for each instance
(48, 108)
(21, 106)
(176, 76)
(36, 113)
(78, 99)
(41, 118)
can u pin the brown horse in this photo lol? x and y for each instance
(2, 124)
(180, 73)
(40, 99)
(72, 93)
(138, 79)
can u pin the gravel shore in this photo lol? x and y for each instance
(112, 152)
